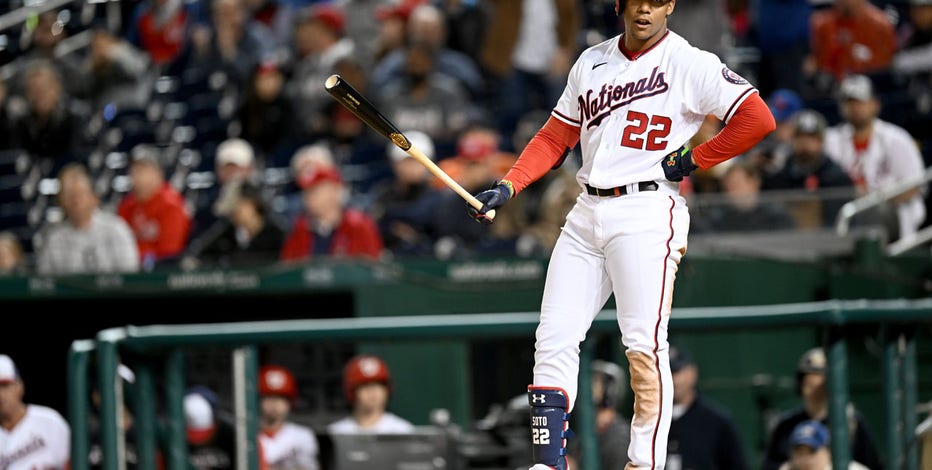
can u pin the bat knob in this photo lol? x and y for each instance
(490, 214)
(332, 81)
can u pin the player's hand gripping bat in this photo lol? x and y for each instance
(354, 101)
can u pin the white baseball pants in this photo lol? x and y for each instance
(631, 246)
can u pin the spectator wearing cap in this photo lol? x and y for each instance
(286, 445)
(88, 240)
(809, 168)
(327, 227)
(210, 431)
(810, 449)
(154, 210)
(246, 237)
(703, 434)
(852, 36)
(234, 166)
(811, 387)
(367, 388)
(402, 205)
(877, 154)
(305, 161)
(772, 152)
(319, 43)
(31, 436)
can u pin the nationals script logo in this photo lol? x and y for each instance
(595, 106)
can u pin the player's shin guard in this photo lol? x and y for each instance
(549, 426)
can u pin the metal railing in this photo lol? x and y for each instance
(895, 318)
(880, 197)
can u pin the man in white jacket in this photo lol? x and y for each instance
(877, 154)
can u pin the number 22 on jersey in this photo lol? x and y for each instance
(645, 132)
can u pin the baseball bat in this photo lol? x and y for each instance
(354, 101)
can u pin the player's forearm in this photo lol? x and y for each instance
(545, 150)
(751, 122)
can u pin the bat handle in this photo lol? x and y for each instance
(450, 182)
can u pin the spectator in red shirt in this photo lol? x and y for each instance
(162, 28)
(154, 209)
(852, 36)
(327, 227)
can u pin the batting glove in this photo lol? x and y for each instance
(678, 164)
(491, 199)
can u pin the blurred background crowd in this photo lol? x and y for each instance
(198, 133)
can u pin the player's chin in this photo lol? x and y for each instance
(645, 34)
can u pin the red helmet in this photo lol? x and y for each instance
(277, 380)
(361, 370)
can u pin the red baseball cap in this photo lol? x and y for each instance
(318, 174)
(477, 145)
(327, 14)
(400, 10)
(364, 369)
(277, 381)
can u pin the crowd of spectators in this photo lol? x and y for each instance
(205, 125)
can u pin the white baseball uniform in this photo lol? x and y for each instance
(890, 157)
(631, 113)
(40, 441)
(293, 447)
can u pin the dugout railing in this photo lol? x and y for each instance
(897, 321)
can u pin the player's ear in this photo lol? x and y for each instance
(670, 6)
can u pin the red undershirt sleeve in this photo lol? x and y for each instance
(751, 122)
(545, 150)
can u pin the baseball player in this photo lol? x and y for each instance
(631, 102)
(367, 384)
(31, 436)
(285, 445)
